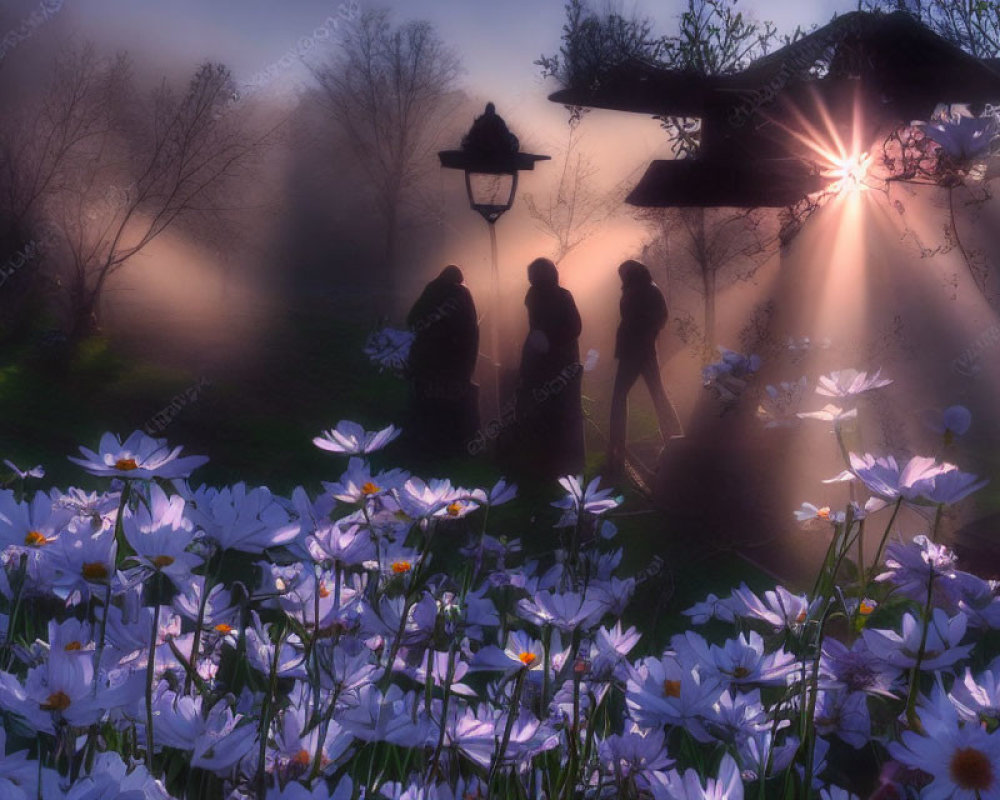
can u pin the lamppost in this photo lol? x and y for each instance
(491, 158)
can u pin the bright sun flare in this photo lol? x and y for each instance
(849, 173)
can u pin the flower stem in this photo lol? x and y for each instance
(512, 715)
(881, 545)
(150, 672)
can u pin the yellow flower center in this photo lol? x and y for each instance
(163, 561)
(95, 571)
(369, 489)
(126, 464)
(57, 701)
(223, 628)
(970, 769)
(401, 567)
(527, 658)
(74, 645)
(454, 509)
(35, 539)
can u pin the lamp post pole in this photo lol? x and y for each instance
(491, 158)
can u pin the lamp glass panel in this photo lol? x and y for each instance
(490, 190)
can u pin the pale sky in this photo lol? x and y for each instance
(497, 41)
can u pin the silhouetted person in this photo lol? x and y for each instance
(549, 410)
(644, 313)
(442, 361)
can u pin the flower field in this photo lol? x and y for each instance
(383, 640)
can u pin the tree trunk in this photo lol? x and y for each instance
(708, 281)
(83, 313)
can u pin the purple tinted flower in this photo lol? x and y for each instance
(567, 611)
(584, 501)
(237, 518)
(663, 691)
(350, 438)
(963, 137)
(942, 647)
(856, 669)
(358, 483)
(33, 472)
(634, 755)
(779, 608)
(951, 423)
(739, 662)
(849, 383)
(713, 608)
(139, 457)
(844, 714)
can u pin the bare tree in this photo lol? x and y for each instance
(38, 141)
(708, 249)
(391, 91)
(573, 211)
(142, 167)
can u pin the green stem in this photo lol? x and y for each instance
(450, 676)
(265, 717)
(150, 673)
(881, 544)
(911, 697)
(207, 586)
(512, 715)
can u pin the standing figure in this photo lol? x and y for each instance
(644, 313)
(549, 408)
(445, 401)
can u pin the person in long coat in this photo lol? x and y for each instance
(643, 316)
(549, 408)
(444, 410)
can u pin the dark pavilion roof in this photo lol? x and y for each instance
(890, 67)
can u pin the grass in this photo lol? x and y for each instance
(258, 429)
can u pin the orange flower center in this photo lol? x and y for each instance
(302, 758)
(401, 567)
(163, 561)
(527, 658)
(369, 489)
(74, 645)
(672, 688)
(57, 701)
(971, 769)
(323, 591)
(95, 571)
(801, 617)
(740, 672)
(126, 464)
(223, 628)
(454, 509)
(823, 513)
(866, 608)
(35, 539)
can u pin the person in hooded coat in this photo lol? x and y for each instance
(549, 407)
(444, 400)
(643, 316)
